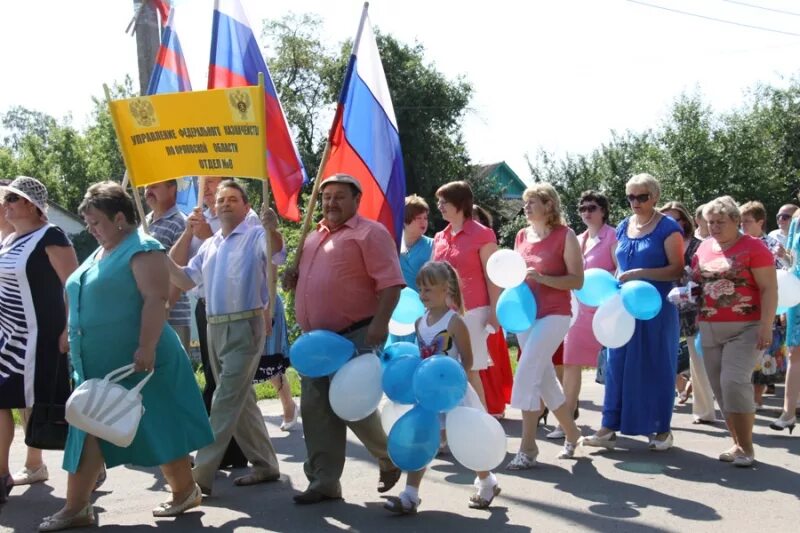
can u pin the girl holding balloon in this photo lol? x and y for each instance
(442, 330)
(555, 266)
(640, 374)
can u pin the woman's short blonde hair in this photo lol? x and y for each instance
(648, 182)
(724, 205)
(546, 194)
(755, 209)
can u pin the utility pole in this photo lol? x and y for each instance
(148, 40)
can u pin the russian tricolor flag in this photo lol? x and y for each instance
(236, 61)
(364, 137)
(170, 75)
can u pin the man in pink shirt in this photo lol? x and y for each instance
(349, 281)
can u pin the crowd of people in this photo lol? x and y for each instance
(62, 323)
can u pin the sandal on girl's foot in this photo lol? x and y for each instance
(476, 501)
(568, 452)
(83, 518)
(29, 476)
(742, 460)
(288, 425)
(397, 505)
(522, 461)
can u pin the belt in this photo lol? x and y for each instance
(355, 325)
(233, 317)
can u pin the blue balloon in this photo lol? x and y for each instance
(698, 346)
(598, 286)
(516, 308)
(397, 349)
(398, 377)
(320, 353)
(414, 439)
(440, 383)
(409, 308)
(641, 299)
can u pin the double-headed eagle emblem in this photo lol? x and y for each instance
(143, 112)
(240, 100)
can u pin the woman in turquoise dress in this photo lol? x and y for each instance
(117, 316)
(640, 376)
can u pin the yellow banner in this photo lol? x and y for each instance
(201, 133)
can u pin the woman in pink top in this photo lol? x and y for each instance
(467, 245)
(555, 266)
(597, 244)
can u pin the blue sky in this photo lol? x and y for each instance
(550, 74)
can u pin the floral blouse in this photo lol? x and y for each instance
(730, 292)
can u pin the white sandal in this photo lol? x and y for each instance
(522, 461)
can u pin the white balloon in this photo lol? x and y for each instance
(400, 329)
(391, 412)
(355, 389)
(788, 289)
(476, 438)
(574, 307)
(612, 324)
(506, 268)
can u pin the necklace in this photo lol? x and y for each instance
(641, 226)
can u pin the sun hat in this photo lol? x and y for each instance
(341, 178)
(29, 188)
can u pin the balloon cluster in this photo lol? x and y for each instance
(408, 309)
(355, 390)
(516, 306)
(618, 306)
(419, 391)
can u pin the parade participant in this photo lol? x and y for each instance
(703, 411)
(555, 266)
(784, 220)
(701, 233)
(116, 299)
(348, 281)
(640, 376)
(232, 265)
(754, 219)
(736, 273)
(597, 244)
(441, 330)
(166, 223)
(467, 245)
(36, 259)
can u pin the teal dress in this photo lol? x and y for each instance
(105, 309)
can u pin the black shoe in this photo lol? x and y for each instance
(388, 479)
(311, 496)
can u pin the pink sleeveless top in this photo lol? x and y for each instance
(547, 257)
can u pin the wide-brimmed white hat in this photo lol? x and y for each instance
(31, 189)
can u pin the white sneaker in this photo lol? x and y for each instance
(26, 476)
(291, 424)
(557, 433)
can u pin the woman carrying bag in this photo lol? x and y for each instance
(117, 316)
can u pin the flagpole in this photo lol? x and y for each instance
(312, 201)
(136, 199)
(265, 201)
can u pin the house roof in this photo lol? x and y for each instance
(481, 171)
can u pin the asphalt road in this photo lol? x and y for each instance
(628, 490)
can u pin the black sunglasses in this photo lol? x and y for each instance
(783, 216)
(589, 208)
(12, 197)
(641, 198)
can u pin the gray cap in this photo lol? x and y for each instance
(341, 178)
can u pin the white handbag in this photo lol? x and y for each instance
(106, 409)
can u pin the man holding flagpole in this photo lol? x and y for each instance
(232, 265)
(353, 262)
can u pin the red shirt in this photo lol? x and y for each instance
(730, 293)
(462, 251)
(547, 257)
(341, 273)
